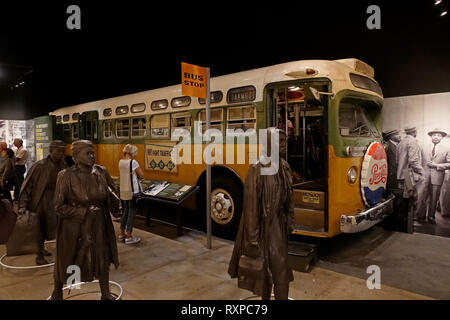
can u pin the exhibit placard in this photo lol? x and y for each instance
(159, 157)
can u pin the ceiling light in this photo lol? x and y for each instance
(443, 13)
(437, 2)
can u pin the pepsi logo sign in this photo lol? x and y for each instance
(374, 174)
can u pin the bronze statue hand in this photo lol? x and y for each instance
(93, 210)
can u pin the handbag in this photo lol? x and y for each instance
(251, 267)
(7, 220)
(136, 196)
(24, 238)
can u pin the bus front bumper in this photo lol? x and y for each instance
(368, 218)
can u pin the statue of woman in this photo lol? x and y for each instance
(85, 233)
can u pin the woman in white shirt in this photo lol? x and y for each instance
(130, 174)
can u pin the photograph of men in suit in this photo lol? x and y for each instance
(398, 220)
(392, 138)
(437, 157)
(410, 159)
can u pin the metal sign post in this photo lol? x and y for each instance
(208, 165)
(195, 81)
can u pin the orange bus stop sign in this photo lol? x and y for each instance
(193, 80)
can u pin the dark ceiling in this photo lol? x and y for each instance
(126, 47)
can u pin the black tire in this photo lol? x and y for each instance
(223, 190)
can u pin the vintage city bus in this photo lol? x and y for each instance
(331, 111)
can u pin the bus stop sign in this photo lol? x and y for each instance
(374, 174)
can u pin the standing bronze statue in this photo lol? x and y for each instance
(37, 195)
(85, 236)
(265, 227)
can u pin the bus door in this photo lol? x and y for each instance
(305, 122)
(88, 122)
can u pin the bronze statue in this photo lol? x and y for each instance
(85, 235)
(265, 227)
(37, 195)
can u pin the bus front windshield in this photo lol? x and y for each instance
(357, 118)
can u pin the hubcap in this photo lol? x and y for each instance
(222, 206)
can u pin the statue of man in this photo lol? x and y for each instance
(37, 194)
(265, 226)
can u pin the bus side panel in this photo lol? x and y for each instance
(108, 155)
(344, 198)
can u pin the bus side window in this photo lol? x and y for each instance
(75, 135)
(107, 129)
(67, 134)
(138, 127)
(216, 120)
(160, 125)
(181, 120)
(243, 118)
(123, 128)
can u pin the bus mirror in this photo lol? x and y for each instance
(316, 93)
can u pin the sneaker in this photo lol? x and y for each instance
(132, 240)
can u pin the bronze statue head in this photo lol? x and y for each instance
(83, 153)
(57, 150)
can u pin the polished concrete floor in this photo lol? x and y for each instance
(178, 268)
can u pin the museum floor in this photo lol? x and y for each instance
(182, 268)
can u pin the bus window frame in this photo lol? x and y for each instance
(181, 112)
(155, 101)
(147, 126)
(251, 104)
(72, 127)
(151, 127)
(116, 128)
(222, 124)
(138, 104)
(107, 115)
(371, 125)
(111, 122)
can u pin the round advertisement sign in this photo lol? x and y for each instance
(374, 174)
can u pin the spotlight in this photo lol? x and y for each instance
(436, 2)
(443, 13)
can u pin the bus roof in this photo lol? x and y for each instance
(338, 71)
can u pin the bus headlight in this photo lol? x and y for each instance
(351, 175)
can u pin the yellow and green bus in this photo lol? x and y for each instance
(330, 109)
